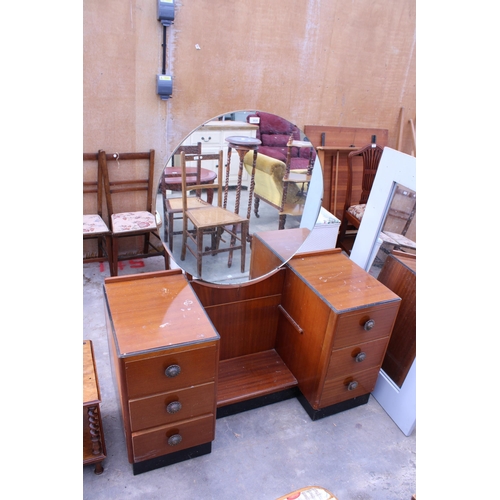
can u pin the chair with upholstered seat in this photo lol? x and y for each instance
(128, 183)
(353, 213)
(94, 226)
(211, 220)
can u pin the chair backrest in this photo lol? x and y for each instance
(131, 175)
(189, 150)
(92, 184)
(218, 184)
(371, 154)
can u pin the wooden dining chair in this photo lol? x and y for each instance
(94, 226)
(128, 185)
(171, 181)
(353, 213)
(212, 220)
(295, 182)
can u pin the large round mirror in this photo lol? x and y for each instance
(266, 194)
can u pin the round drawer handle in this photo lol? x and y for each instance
(352, 385)
(174, 407)
(206, 140)
(174, 440)
(173, 371)
(360, 357)
(369, 325)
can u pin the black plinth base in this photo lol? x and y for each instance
(331, 410)
(171, 458)
(251, 404)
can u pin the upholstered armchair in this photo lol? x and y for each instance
(269, 173)
(274, 132)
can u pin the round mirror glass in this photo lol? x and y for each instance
(265, 196)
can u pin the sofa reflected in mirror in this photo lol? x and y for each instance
(293, 171)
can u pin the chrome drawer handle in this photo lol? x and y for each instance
(352, 385)
(174, 407)
(369, 325)
(206, 140)
(173, 371)
(174, 440)
(360, 357)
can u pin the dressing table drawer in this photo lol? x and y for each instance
(356, 358)
(171, 371)
(366, 325)
(178, 436)
(172, 406)
(348, 386)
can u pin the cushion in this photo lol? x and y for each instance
(277, 153)
(357, 211)
(275, 140)
(93, 224)
(272, 124)
(133, 221)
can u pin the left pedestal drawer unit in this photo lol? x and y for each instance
(165, 354)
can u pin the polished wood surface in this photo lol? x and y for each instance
(251, 376)
(270, 249)
(152, 311)
(400, 275)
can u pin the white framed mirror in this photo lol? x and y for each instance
(396, 172)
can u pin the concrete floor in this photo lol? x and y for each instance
(263, 453)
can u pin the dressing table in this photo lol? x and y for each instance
(186, 352)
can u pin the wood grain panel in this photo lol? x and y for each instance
(399, 274)
(151, 411)
(154, 442)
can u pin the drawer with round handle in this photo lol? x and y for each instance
(172, 406)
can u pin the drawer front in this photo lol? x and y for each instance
(155, 442)
(207, 138)
(357, 358)
(365, 325)
(148, 376)
(342, 388)
(171, 407)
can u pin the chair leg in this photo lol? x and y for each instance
(170, 236)
(256, 207)
(199, 250)
(146, 243)
(109, 252)
(244, 232)
(282, 222)
(114, 247)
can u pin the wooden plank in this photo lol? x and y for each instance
(252, 376)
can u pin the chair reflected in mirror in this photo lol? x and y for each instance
(280, 185)
(353, 213)
(201, 219)
(171, 180)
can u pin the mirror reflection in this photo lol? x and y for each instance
(247, 175)
(398, 231)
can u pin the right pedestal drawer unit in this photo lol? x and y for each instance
(334, 328)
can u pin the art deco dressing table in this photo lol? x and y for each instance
(186, 352)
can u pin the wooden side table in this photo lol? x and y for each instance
(94, 448)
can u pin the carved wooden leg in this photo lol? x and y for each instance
(95, 435)
(256, 207)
